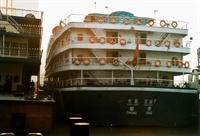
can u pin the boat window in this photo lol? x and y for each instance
(112, 35)
(79, 37)
(141, 37)
(142, 58)
(110, 55)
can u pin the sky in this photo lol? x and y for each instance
(179, 10)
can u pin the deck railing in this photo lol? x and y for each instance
(158, 42)
(123, 42)
(21, 12)
(142, 21)
(16, 52)
(22, 28)
(120, 62)
(143, 82)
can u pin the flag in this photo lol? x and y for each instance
(136, 54)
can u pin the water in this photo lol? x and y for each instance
(63, 130)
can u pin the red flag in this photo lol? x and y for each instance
(136, 54)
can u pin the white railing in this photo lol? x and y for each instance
(16, 52)
(106, 19)
(21, 12)
(143, 82)
(158, 42)
(117, 62)
(22, 28)
(149, 42)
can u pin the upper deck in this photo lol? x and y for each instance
(21, 21)
(22, 12)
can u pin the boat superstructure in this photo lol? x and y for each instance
(119, 68)
(20, 54)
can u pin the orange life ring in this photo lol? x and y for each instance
(112, 40)
(157, 63)
(174, 24)
(163, 23)
(169, 64)
(77, 61)
(176, 43)
(126, 21)
(148, 43)
(122, 41)
(112, 20)
(151, 22)
(187, 64)
(102, 40)
(92, 39)
(180, 64)
(158, 43)
(102, 61)
(88, 19)
(100, 19)
(138, 21)
(167, 43)
(115, 61)
(86, 61)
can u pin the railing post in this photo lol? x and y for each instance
(3, 43)
(112, 77)
(81, 77)
(132, 80)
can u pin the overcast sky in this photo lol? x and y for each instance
(179, 10)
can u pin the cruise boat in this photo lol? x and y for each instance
(120, 69)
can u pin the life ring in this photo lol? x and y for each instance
(163, 23)
(92, 39)
(100, 19)
(148, 42)
(138, 21)
(158, 43)
(151, 22)
(77, 61)
(157, 63)
(177, 43)
(112, 20)
(112, 40)
(167, 43)
(86, 61)
(122, 41)
(102, 61)
(187, 64)
(126, 21)
(174, 24)
(115, 61)
(102, 40)
(88, 19)
(169, 64)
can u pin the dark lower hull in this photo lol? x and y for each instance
(130, 107)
